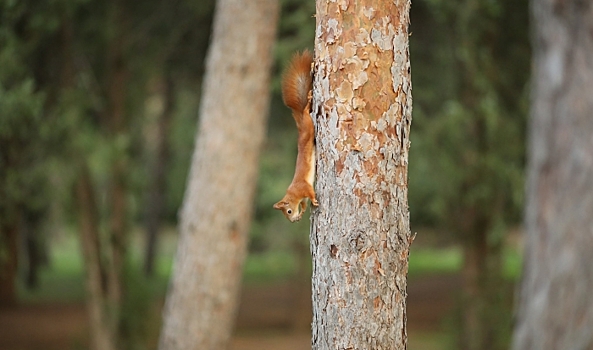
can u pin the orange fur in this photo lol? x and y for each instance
(296, 93)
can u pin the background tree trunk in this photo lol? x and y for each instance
(8, 262)
(217, 208)
(34, 248)
(156, 196)
(360, 235)
(102, 331)
(556, 304)
(116, 122)
(104, 250)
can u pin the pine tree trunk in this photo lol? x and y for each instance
(217, 209)
(556, 304)
(360, 234)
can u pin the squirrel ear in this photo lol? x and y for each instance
(279, 205)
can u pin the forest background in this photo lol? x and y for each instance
(103, 97)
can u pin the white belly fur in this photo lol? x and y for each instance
(311, 175)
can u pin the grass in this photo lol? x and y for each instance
(425, 261)
(429, 340)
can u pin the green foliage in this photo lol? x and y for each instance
(297, 27)
(467, 155)
(24, 130)
(469, 112)
(63, 104)
(296, 32)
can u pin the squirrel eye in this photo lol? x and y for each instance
(289, 211)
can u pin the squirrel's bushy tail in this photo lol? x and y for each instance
(297, 81)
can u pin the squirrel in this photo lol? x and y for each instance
(297, 85)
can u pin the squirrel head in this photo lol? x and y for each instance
(291, 209)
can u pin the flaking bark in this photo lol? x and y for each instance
(360, 234)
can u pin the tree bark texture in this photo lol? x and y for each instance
(217, 209)
(360, 234)
(556, 304)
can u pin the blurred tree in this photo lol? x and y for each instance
(182, 51)
(34, 242)
(25, 131)
(104, 250)
(102, 93)
(467, 174)
(360, 234)
(41, 62)
(73, 85)
(555, 308)
(217, 208)
(155, 203)
(104, 89)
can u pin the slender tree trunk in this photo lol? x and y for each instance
(556, 304)
(104, 251)
(35, 251)
(101, 332)
(115, 120)
(156, 197)
(360, 234)
(483, 325)
(8, 261)
(472, 306)
(102, 335)
(10, 213)
(217, 209)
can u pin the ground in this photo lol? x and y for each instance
(268, 319)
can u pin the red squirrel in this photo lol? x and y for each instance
(297, 85)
